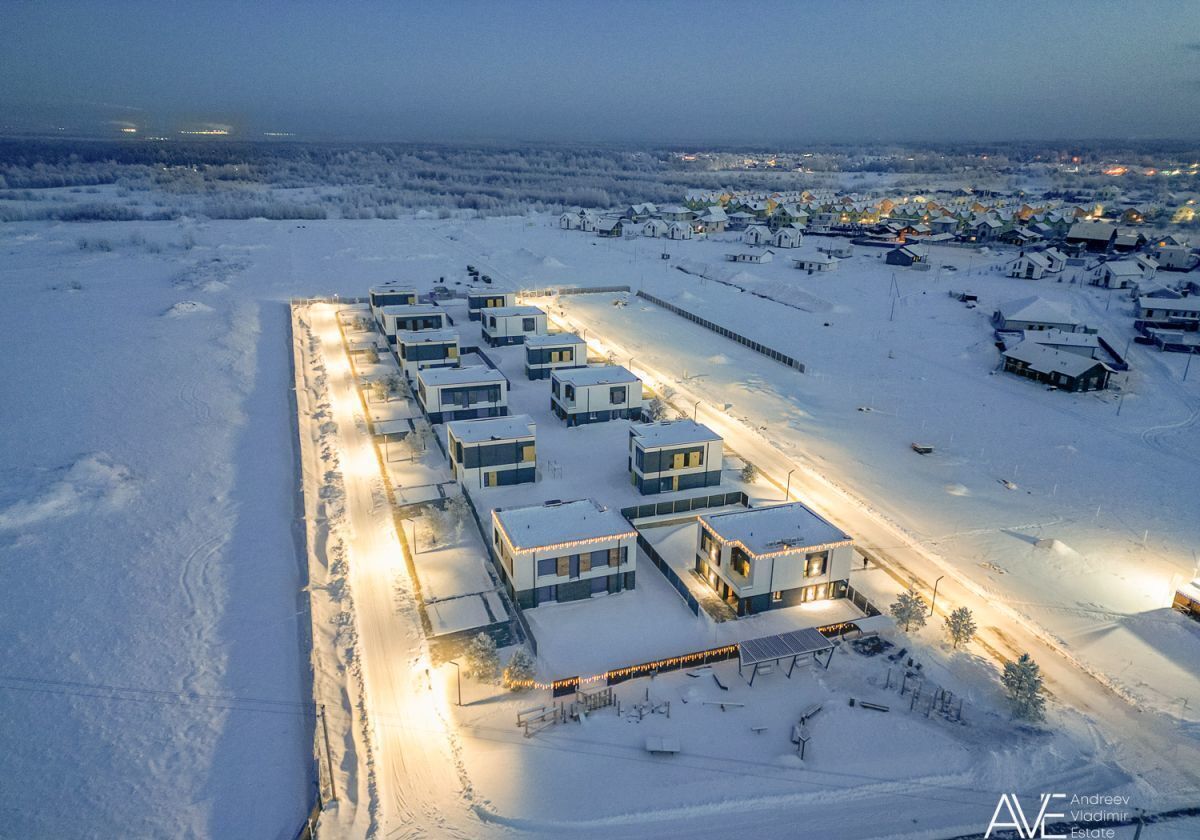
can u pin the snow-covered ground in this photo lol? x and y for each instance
(148, 506)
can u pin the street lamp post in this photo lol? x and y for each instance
(414, 536)
(458, 673)
(933, 603)
(787, 491)
(695, 411)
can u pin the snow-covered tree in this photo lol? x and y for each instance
(654, 410)
(518, 674)
(749, 473)
(371, 355)
(482, 660)
(379, 390)
(909, 610)
(1023, 682)
(960, 626)
(395, 385)
(419, 439)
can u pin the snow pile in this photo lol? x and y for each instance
(187, 307)
(93, 483)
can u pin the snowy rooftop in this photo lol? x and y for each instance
(1191, 304)
(1124, 268)
(541, 526)
(484, 293)
(602, 375)
(1037, 309)
(404, 310)
(772, 529)
(512, 311)
(553, 340)
(393, 286)
(492, 428)
(426, 336)
(672, 433)
(1048, 360)
(460, 376)
(1062, 339)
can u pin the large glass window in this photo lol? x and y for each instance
(815, 563)
(616, 395)
(547, 566)
(527, 325)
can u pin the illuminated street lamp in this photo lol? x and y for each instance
(787, 492)
(458, 673)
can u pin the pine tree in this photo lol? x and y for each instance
(1023, 682)
(960, 626)
(482, 661)
(909, 610)
(749, 473)
(518, 674)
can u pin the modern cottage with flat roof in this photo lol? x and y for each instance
(492, 452)
(491, 299)
(674, 455)
(462, 393)
(389, 294)
(563, 551)
(426, 349)
(422, 316)
(512, 324)
(544, 353)
(769, 557)
(595, 394)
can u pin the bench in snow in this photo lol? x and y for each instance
(656, 744)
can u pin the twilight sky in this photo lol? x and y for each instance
(762, 72)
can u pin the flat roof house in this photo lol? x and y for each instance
(491, 299)
(544, 353)
(423, 316)
(1034, 313)
(512, 324)
(1065, 370)
(751, 257)
(492, 452)
(563, 551)
(1178, 313)
(389, 294)
(674, 455)
(770, 557)
(426, 349)
(462, 393)
(595, 394)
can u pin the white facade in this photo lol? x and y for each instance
(655, 228)
(493, 451)
(512, 324)
(426, 348)
(815, 262)
(679, 230)
(396, 319)
(756, 235)
(1029, 267)
(462, 393)
(563, 551)
(787, 237)
(595, 394)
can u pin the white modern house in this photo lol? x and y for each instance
(389, 294)
(426, 349)
(751, 256)
(1035, 313)
(679, 230)
(462, 393)
(769, 557)
(477, 301)
(1031, 266)
(595, 394)
(563, 551)
(674, 455)
(414, 318)
(756, 235)
(544, 353)
(512, 324)
(492, 452)
(1121, 274)
(812, 263)
(787, 237)
(654, 228)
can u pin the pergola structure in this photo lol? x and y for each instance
(791, 645)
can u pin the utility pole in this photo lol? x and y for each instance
(787, 491)
(933, 603)
(328, 757)
(696, 411)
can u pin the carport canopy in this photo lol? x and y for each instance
(791, 645)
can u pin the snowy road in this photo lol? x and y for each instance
(1144, 742)
(420, 786)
